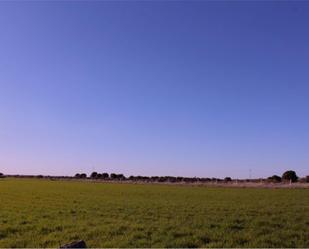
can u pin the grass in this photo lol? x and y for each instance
(43, 213)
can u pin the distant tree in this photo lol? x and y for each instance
(179, 179)
(99, 176)
(155, 178)
(77, 175)
(187, 179)
(94, 175)
(290, 175)
(138, 178)
(227, 179)
(105, 175)
(307, 178)
(203, 179)
(147, 178)
(113, 176)
(83, 175)
(120, 177)
(274, 178)
(171, 179)
(1, 175)
(161, 179)
(40, 176)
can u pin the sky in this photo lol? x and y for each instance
(182, 88)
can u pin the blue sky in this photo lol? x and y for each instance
(198, 88)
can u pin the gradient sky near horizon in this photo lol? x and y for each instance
(182, 88)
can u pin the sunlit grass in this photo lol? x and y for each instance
(43, 213)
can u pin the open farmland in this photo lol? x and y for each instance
(44, 213)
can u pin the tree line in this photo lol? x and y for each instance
(288, 176)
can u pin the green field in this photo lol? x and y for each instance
(44, 213)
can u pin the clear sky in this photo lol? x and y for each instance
(182, 88)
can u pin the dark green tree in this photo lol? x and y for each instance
(290, 175)
(83, 175)
(94, 175)
(105, 175)
(274, 178)
(99, 175)
(227, 179)
(113, 176)
(120, 177)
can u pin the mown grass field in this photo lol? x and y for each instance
(43, 213)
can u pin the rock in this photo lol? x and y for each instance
(75, 244)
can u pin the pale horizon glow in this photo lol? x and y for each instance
(206, 89)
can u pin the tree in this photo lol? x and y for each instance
(94, 175)
(105, 175)
(77, 175)
(274, 178)
(99, 175)
(307, 178)
(290, 175)
(120, 177)
(1, 175)
(113, 176)
(171, 179)
(227, 179)
(83, 175)
(179, 179)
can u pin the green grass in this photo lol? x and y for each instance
(43, 213)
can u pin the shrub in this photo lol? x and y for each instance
(1, 175)
(307, 179)
(290, 175)
(77, 175)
